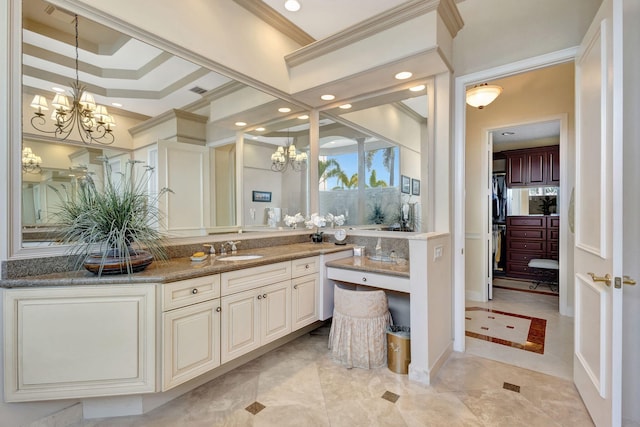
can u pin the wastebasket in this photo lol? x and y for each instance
(399, 348)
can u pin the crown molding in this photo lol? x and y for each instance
(409, 112)
(450, 16)
(276, 20)
(164, 117)
(367, 28)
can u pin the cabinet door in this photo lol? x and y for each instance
(78, 342)
(304, 301)
(191, 342)
(516, 170)
(553, 167)
(536, 165)
(275, 311)
(240, 324)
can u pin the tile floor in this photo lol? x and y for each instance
(299, 385)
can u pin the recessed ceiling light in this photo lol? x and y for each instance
(508, 133)
(345, 106)
(417, 88)
(116, 104)
(241, 124)
(403, 75)
(292, 5)
(260, 129)
(58, 89)
(303, 117)
(328, 97)
(284, 109)
(255, 137)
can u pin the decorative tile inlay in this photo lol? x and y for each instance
(511, 387)
(255, 407)
(535, 337)
(391, 397)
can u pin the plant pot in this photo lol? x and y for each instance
(316, 237)
(115, 263)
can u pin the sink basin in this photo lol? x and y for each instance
(381, 258)
(238, 257)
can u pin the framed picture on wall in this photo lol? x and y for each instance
(405, 184)
(415, 187)
(261, 196)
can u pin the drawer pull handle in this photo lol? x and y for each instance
(194, 291)
(295, 286)
(306, 266)
(264, 296)
(218, 310)
(364, 279)
(259, 296)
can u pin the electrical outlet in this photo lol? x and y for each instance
(437, 252)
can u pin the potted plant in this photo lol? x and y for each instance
(113, 229)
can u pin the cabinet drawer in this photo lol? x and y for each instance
(190, 291)
(553, 222)
(526, 221)
(304, 266)
(553, 248)
(553, 234)
(526, 245)
(520, 269)
(250, 278)
(523, 257)
(526, 233)
(382, 281)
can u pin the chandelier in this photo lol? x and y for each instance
(482, 95)
(287, 156)
(30, 162)
(93, 122)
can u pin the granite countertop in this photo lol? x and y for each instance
(362, 263)
(179, 268)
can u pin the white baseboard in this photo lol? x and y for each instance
(473, 296)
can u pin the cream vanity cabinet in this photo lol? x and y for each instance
(190, 329)
(256, 308)
(305, 281)
(79, 341)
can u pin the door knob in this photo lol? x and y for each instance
(606, 278)
(625, 279)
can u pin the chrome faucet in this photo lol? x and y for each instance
(379, 247)
(223, 250)
(233, 246)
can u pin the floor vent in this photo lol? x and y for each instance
(511, 387)
(255, 407)
(391, 397)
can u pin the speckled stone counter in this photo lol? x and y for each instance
(363, 263)
(179, 268)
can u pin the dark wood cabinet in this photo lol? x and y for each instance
(530, 237)
(533, 167)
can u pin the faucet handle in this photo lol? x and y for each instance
(233, 245)
(210, 248)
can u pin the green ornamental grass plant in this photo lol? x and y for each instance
(121, 220)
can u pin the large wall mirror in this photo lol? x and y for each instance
(181, 118)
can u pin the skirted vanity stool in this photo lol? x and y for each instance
(358, 329)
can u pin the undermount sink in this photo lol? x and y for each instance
(239, 257)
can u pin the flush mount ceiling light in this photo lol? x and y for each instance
(328, 97)
(417, 88)
(292, 5)
(482, 95)
(240, 124)
(303, 117)
(93, 122)
(345, 106)
(260, 129)
(403, 75)
(284, 109)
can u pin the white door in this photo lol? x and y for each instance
(598, 220)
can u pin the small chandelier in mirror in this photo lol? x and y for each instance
(288, 156)
(30, 162)
(93, 122)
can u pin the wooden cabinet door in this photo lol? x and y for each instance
(191, 341)
(536, 165)
(239, 324)
(516, 170)
(275, 311)
(553, 167)
(304, 301)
